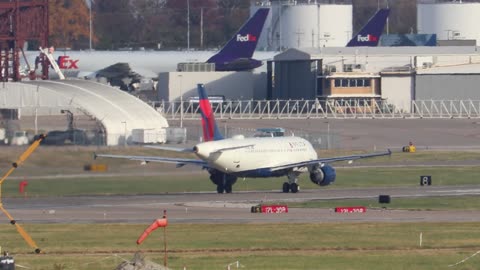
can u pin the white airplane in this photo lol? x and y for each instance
(237, 55)
(258, 157)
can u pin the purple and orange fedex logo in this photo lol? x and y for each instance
(65, 62)
(246, 38)
(367, 38)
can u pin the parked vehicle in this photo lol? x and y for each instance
(62, 137)
(19, 138)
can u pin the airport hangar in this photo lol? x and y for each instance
(396, 75)
(116, 113)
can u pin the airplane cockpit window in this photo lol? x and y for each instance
(269, 132)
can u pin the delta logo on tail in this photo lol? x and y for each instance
(209, 126)
(65, 62)
(370, 34)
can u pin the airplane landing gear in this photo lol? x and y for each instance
(223, 181)
(291, 185)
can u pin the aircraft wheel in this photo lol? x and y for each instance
(220, 188)
(228, 188)
(285, 187)
(294, 187)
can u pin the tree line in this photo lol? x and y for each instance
(162, 24)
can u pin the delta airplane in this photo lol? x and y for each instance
(257, 157)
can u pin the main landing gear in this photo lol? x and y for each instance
(291, 185)
(223, 181)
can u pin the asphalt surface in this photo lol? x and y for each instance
(370, 134)
(232, 208)
(367, 134)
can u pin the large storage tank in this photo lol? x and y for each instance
(305, 23)
(449, 20)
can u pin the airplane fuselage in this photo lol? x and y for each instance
(253, 157)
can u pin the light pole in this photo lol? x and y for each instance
(90, 23)
(125, 133)
(181, 100)
(328, 135)
(188, 24)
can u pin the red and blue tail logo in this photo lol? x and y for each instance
(209, 125)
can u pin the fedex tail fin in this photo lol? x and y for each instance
(209, 125)
(370, 34)
(244, 42)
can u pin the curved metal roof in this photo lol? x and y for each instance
(118, 111)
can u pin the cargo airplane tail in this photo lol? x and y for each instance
(226, 159)
(369, 35)
(237, 54)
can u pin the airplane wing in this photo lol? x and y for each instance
(179, 161)
(173, 149)
(330, 160)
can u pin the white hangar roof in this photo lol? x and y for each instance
(118, 111)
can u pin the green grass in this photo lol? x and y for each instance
(185, 181)
(256, 246)
(58, 160)
(420, 204)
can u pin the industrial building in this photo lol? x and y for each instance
(449, 20)
(397, 75)
(175, 86)
(305, 23)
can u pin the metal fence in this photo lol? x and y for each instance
(339, 108)
(319, 140)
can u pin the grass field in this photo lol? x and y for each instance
(71, 160)
(185, 181)
(267, 246)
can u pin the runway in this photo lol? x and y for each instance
(231, 208)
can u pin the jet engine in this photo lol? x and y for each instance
(224, 181)
(322, 174)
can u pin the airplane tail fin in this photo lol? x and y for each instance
(369, 35)
(244, 42)
(209, 125)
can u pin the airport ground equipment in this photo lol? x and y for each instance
(7, 262)
(410, 148)
(48, 53)
(15, 165)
